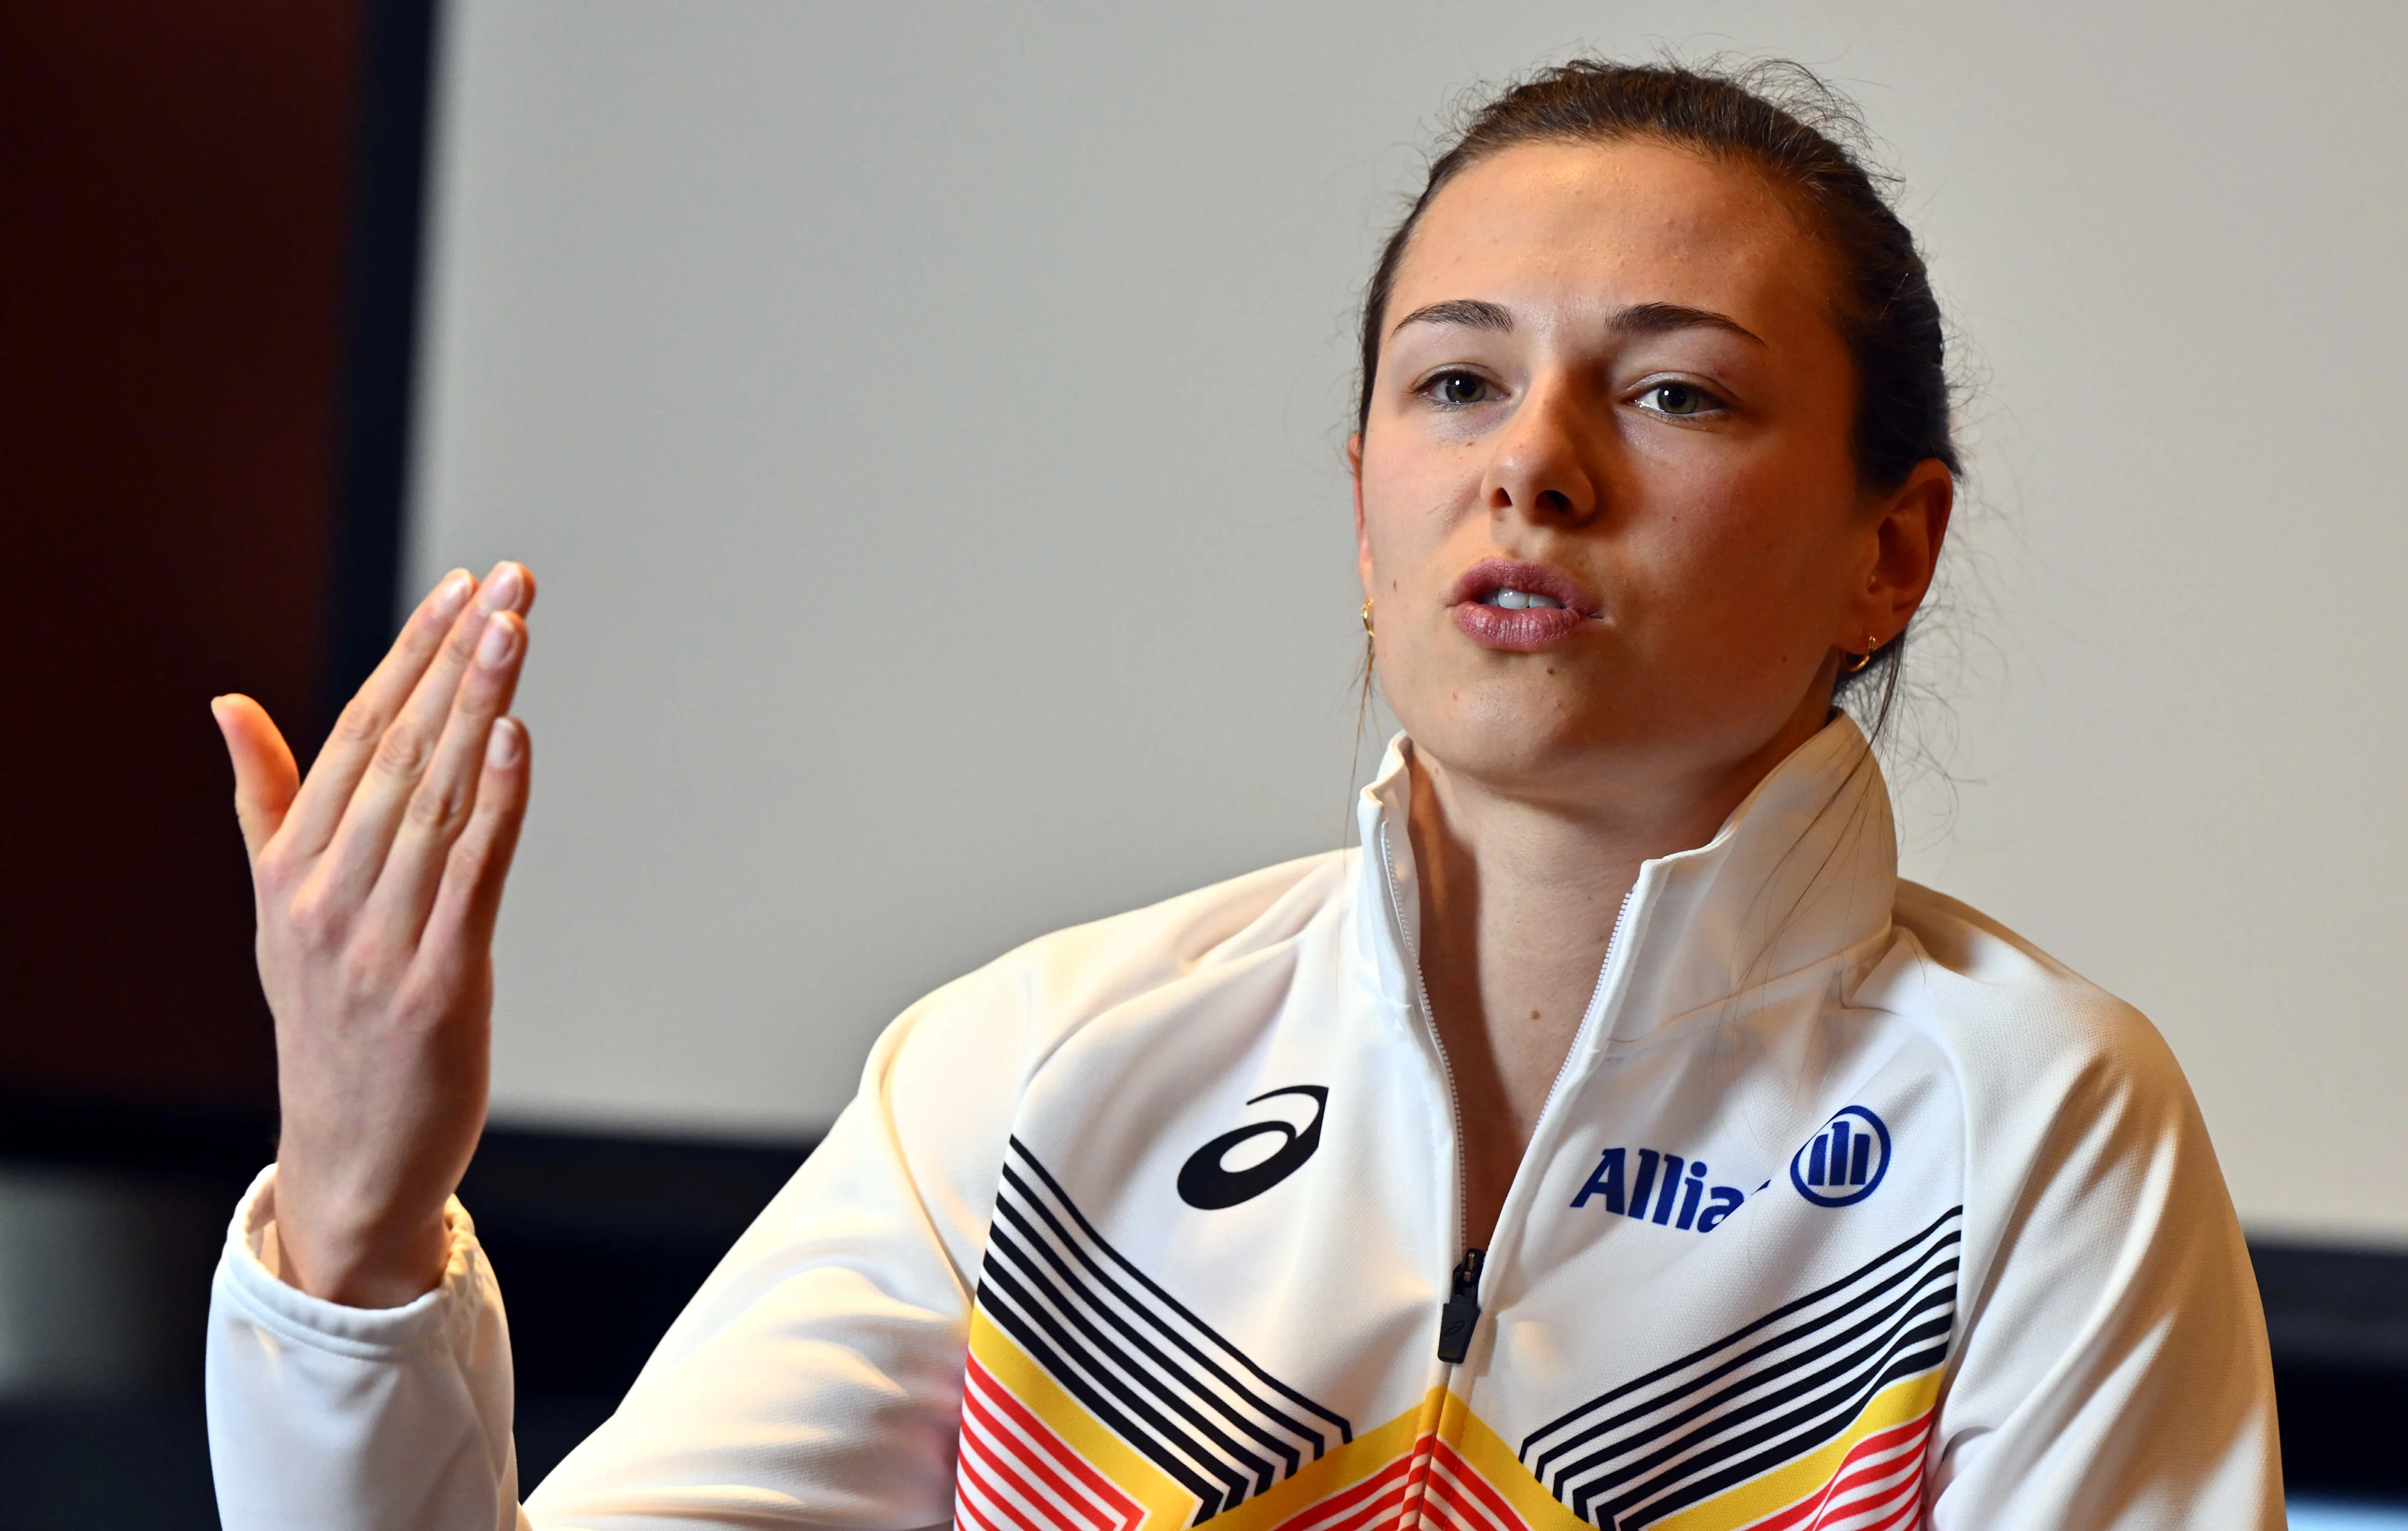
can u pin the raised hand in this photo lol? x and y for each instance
(378, 883)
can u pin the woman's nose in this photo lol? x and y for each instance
(1542, 464)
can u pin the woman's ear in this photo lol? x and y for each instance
(1911, 522)
(1362, 538)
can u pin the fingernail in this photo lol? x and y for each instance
(501, 588)
(499, 640)
(452, 591)
(502, 744)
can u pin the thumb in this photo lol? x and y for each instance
(264, 776)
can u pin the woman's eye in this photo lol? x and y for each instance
(1677, 399)
(1457, 389)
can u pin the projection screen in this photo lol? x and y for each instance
(926, 424)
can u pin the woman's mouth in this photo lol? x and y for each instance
(1520, 600)
(1517, 607)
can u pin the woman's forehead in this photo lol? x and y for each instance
(1551, 226)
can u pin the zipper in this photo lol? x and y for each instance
(1438, 1043)
(1596, 1011)
(1460, 1314)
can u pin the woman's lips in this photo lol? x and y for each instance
(1526, 629)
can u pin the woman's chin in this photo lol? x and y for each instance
(1503, 738)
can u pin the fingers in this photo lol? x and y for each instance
(264, 776)
(469, 900)
(319, 809)
(440, 809)
(402, 756)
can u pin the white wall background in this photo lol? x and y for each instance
(925, 423)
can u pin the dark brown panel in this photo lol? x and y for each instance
(173, 216)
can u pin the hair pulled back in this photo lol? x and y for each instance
(1781, 121)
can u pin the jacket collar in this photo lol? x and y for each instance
(1802, 870)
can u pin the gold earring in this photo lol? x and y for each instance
(1366, 619)
(1872, 646)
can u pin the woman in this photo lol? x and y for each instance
(1613, 1139)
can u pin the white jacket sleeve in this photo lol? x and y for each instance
(2113, 1369)
(815, 1380)
(321, 1415)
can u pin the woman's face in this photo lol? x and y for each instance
(1611, 387)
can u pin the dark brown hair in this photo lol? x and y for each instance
(1781, 121)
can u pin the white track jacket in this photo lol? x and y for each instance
(1849, 1209)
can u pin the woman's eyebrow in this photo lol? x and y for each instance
(1474, 313)
(1663, 318)
(1638, 319)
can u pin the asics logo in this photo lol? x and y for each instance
(1207, 1185)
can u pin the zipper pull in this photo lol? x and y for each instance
(1461, 1314)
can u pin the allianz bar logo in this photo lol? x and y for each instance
(1843, 1163)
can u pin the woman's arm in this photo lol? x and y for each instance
(2113, 1369)
(378, 881)
(814, 1381)
(359, 1370)
(816, 1378)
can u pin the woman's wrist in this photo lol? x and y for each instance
(356, 1262)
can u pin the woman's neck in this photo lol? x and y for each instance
(1519, 898)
